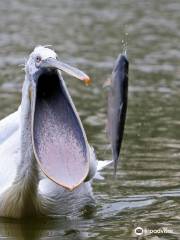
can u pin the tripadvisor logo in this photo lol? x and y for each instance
(140, 231)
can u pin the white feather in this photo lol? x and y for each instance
(103, 164)
(9, 125)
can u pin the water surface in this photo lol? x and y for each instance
(90, 35)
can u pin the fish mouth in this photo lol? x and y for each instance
(59, 140)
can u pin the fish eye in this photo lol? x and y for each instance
(38, 59)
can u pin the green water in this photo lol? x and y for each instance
(90, 34)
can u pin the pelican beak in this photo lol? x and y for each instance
(52, 63)
(59, 140)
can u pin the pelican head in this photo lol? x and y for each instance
(58, 138)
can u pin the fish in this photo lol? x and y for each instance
(117, 106)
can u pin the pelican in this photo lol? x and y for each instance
(46, 162)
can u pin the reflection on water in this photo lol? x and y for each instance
(43, 229)
(90, 34)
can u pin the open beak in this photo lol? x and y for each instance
(59, 140)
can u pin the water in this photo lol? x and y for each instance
(90, 34)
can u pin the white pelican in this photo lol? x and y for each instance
(45, 158)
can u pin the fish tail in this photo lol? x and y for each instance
(115, 166)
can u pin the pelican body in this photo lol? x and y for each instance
(45, 159)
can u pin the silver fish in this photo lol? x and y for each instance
(117, 105)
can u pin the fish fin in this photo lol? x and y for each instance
(107, 83)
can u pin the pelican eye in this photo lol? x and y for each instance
(38, 59)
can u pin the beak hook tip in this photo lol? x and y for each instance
(87, 80)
